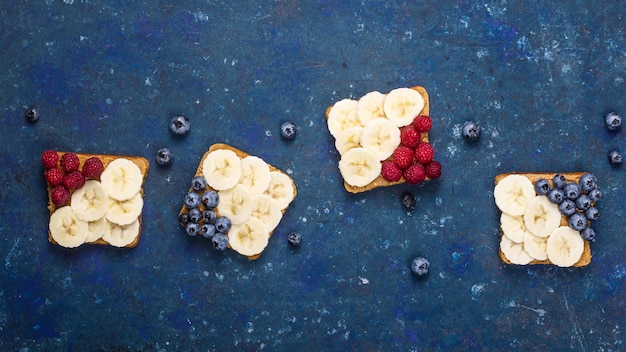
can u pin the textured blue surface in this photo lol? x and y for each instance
(108, 75)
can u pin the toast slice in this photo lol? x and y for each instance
(585, 258)
(241, 155)
(380, 181)
(106, 159)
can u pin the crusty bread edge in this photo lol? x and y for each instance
(585, 257)
(106, 159)
(380, 181)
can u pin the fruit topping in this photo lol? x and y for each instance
(470, 131)
(583, 202)
(164, 156)
(180, 125)
(420, 266)
(210, 199)
(198, 183)
(423, 124)
(408, 200)
(192, 229)
(595, 194)
(92, 168)
(195, 215)
(409, 137)
(60, 195)
(222, 224)
(424, 153)
(69, 162)
(559, 181)
(567, 207)
(219, 241)
(74, 180)
(209, 216)
(288, 130)
(54, 176)
(613, 121)
(542, 186)
(183, 218)
(49, 158)
(578, 221)
(414, 174)
(390, 171)
(208, 230)
(592, 214)
(572, 190)
(433, 170)
(403, 157)
(587, 182)
(294, 239)
(615, 157)
(32, 115)
(588, 234)
(191, 200)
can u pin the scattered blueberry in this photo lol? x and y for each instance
(592, 213)
(587, 182)
(179, 125)
(572, 190)
(567, 207)
(210, 199)
(198, 183)
(595, 194)
(559, 181)
(583, 202)
(195, 215)
(588, 234)
(220, 241)
(288, 130)
(208, 230)
(408, 200)
(420, 266)
(183, 219)
(471, 130)
(615, 157)
(613, 121)
(32, 115)
(192, 229)
(294, 239)
(578, 221)
(164, 156)
(556, 196)
(542, 186)
(192, 200)
(222, 224)
(209, 216)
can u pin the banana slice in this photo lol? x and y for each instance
(359, 167)
(67, 229)
(565, 246)
(96, 229)
(235, 203)
(513, 193)
(381, 137)
(402, 105)
(541, 216)
(255, 174)
(248, 238)
(266, 209)
(348, 139)
(370, 107)
(222, 169)
(124, 212)
(121, 179)
(342, 116)
(535, 246)
(514, 252)
(513, 227)
(121, 235)
(90, 202)
(281, 188)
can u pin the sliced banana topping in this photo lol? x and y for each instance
(222, 169)
(402, 105)
(90, 202)
(342, 116)
(121, 179)
(248, 238)
(121, 235)
(359, 167)
(125, 212)
(513, 193)
(67, 229)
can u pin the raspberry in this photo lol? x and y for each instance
(433, 170)
(92, 168)
(74, 180)
(423, 124)
(390, 171)
(49, 158)
(54, 176)
(403, 157)
(414, 174)
(60, 195)
(424, 153)
(69, 162)
(409, 137)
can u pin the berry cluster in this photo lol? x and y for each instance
(200, 217)
(63, 174)
(576, 200)
(413, 159)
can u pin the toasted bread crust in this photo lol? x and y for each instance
(106, 159)
(585, 258)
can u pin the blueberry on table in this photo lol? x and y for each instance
(420, 266)
(294, 239)
(164, 156)
(179, 125)
(408, 200)
(219, 241)
(32, 114)
(613, 121)
(615, 157)
(288, 130)
(471, 130)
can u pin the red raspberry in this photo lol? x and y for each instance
(433, 170)
(409, 137)
(403, 157)
(423, 124)
(49, 158)
(69, 162)
(92, 168)
(54, 176)
(60, 195)
(424, 153)
(74, 180)
(390, 171)
(414, 174)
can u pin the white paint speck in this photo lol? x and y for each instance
(363, 281)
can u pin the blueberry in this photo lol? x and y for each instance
(567, 207)
(572, 190)
(32, 115)
(220, 241)
(198, 183)
(587, 182)
(556, 196)
(192, 200)
(210, 199)
(183, 218)
(578, 221)
(222, 224)
(195, 215)
(583, 202)
(542, 186)
(592, 213)
(179, 125)
(294, 239)
(288, 130)
(595, 194)
(164, 156)
(192, 229)
(588, 234)
(209, 216)
(471, 130)
(419, 266)
(615, 157)
(613, 121)
(208, 230)
(408, 200)
(559, 181)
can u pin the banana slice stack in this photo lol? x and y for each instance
(367, 131)
(253, 195)
(533, 230)
(107, 211)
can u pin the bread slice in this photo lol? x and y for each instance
(106, 159)
(585, 258)
(380, 181)
(241, 155)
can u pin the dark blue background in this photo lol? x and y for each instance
(108, 75)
